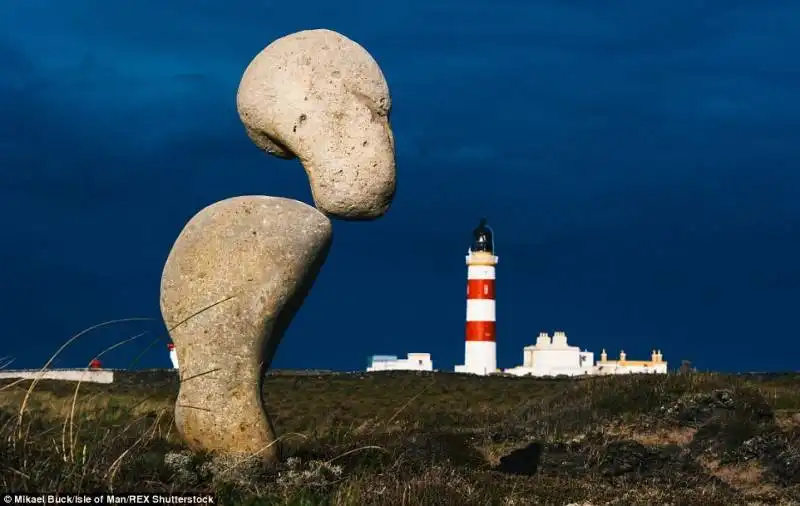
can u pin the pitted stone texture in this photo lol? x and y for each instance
(321, 97)
(265, 253)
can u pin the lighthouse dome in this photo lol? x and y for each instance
(483, 238)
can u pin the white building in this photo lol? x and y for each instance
(414, 362)
(79, 375)
(555, 357)
(655, 365)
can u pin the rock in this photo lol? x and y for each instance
(434, 447)
(316, 474)
(522, 461)
(264, 253)
(621, 457)
(320, 96)
(181, 464)
(774, 451)
(787, 466)
(764, 447)
(698, 409)
(232, 470)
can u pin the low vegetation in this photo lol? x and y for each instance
(404, 438)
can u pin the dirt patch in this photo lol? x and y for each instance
(679, 436)
(787, 419)
(748, 478)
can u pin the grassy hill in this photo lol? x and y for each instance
(429, 438)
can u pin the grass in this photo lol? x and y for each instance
(426, 438)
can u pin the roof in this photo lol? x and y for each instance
(645, 363)
(383, 358)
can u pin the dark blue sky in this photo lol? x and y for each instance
(638, 162)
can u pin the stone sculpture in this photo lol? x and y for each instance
(321, 97)
(318, 96)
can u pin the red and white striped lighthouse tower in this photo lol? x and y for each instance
(480, 350)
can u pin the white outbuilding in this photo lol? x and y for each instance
(414, 362)
(554, 357)
(655, 365)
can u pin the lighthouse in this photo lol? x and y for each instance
(480, 348)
